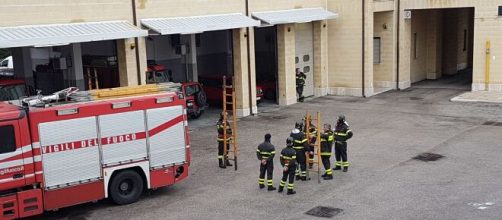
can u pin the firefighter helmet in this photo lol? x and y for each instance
(289, 141)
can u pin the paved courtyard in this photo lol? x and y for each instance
(383, 182)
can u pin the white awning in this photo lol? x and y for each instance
(62, 34)
(302, 15)
(198, 24)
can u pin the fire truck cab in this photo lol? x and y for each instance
(72, 152)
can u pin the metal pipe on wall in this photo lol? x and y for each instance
(398, 19)
(363, 51)
(249, 65)
(136, 41)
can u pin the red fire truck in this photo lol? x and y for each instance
(64, 150)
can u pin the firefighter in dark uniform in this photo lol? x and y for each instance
(300, 83)
(300, 145)
(266, 153)
(312, 135)
(327, 139)
(288, 162)
(342, 134)
(223, 159)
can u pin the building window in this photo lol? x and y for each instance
(465, 39)
(306, 58)
(415, 39)
(377, 58)
(500, 10)
(297, 60)
(306, 69)
(8, 140)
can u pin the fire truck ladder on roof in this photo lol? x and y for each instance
(316, 145)
(230, 146)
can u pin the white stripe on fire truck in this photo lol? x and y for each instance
(18, 151)
(12, 163)
(37, 158)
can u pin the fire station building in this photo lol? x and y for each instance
(345, 47)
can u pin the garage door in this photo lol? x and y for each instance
(305, 55)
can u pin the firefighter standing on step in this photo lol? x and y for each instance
(327, 139)
(266, 153)
(220, 126)
(300, 145)
(300, 83)
(288, 162)
(342, 134)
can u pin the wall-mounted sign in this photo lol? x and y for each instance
(407, 14)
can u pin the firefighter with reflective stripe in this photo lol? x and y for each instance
(342, 134)
(327, 139)
(288, 162)
(300, 145)
(312, 135)
(300, 83)
(222, 157)
(266, 153)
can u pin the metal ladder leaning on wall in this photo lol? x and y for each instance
(317, 145)
(230, 147)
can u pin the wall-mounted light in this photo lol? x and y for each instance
(289, 29)
(324, 25)
(132, 46)
(384, 26)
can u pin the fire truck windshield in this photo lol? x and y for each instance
(12, 92)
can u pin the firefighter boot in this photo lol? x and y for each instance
(281, 188)
(220, 161)
(324, 175)
(345, 169)
(328, 177)
(291, 192)
(271, 188)
(337, 168)
(262, 186)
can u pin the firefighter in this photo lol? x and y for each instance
(266, 153)
(222, 157)
(312, 135)
(327, 139)
(300, 145)
(288, 162)
(342, 133)
(300, 83)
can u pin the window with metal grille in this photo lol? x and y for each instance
(377, 58)
(8, 140)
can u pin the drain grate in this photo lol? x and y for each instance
(493, 123)
(324, 212)
(426, 157)
(416, 98)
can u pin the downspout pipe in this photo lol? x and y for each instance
(136, 41)
(363, 49)
(398, 19)
(249, 65)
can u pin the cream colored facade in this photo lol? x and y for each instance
(343, 47)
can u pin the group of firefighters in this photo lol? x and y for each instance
(298, 153)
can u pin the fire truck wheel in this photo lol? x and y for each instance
(126, 187)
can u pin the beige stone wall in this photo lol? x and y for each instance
(268, 5)
(286, 64)
(383, 72)
(418, 46)
(28, 12)
(321, 76)
(241, 72)
(177, 8)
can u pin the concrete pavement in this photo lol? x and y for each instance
(383, 182)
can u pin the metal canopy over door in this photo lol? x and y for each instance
(304, 58)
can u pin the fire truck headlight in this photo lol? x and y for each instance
(189, 104)
(179, 171)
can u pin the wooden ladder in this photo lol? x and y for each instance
(92, 79)
(229, 111)
(317, 145)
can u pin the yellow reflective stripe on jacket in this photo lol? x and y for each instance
(326, 154)
(302, 141)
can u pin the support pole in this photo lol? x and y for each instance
(487, 65)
